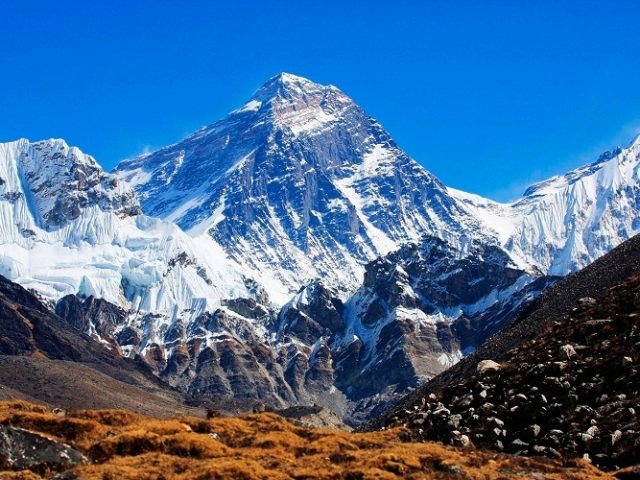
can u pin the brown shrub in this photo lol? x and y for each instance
(13, 406)
(71, 430)
(112, 418)
(129, 443)
(126, 446)
(143, 467)
(238, 467)
(197, 424)
(193, 445)
(23, 475)
(330, 443)
(161, 427)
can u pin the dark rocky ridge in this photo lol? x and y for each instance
(569, 386)
(310, 362)
(93, 315)
(390, 335)
(558, 300)
(45, 359)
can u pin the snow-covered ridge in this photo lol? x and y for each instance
(566, 222)
(58, 182)
(66, 227)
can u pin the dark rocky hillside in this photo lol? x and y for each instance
(559, 300)
(43, 358)
(567, 381)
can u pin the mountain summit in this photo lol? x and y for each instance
(297, 184)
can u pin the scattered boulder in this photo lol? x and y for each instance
(487, 366)
(567, 352)
(572, 391)
(24, 450)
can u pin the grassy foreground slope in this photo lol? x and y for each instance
(123, 445)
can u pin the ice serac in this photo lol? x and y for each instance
(67, 227)
(563, 224)
(298, 184)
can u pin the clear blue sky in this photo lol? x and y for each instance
(488, 95)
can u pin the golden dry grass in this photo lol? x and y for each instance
(123, 445)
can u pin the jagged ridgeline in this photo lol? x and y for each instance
(292, 253)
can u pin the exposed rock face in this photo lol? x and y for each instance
(299, 183)
(24, 450)
(63, 181)
(478, 287)
(94, 316)
(235, 363)
(315, 311)
(29, 329)
(402, 326)
(572, 389)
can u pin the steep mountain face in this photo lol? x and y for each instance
(567, 381)
(45, 359)
(297, 184)
(57, 183)
(415, 311)
(477, 289)
(563, 224)
(69, 228)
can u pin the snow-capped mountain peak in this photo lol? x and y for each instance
(295, 104)
(59, 181)
(297, 184)
(301, 190)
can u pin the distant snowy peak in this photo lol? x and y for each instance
(300, 183)
(566, 222)
(611, 166)
(59, 181)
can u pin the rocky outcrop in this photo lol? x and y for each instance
(95, 317)
(313, 417)
(314, 312)
(24, 450)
